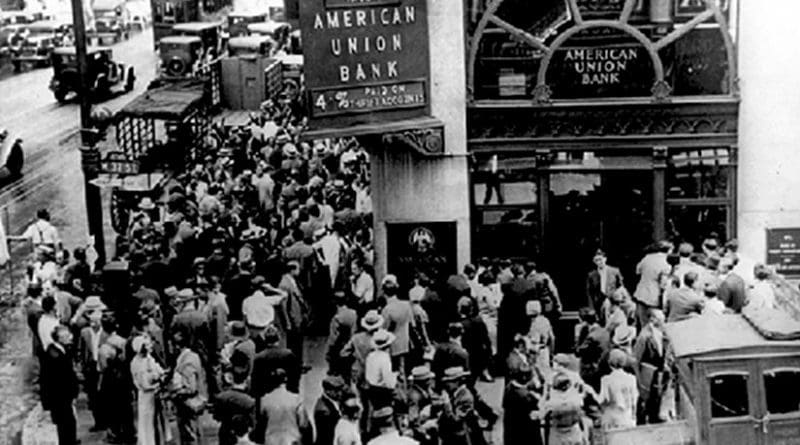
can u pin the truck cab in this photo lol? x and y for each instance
(251, 45)
(180, 55)
(112, 19)
(209, 33)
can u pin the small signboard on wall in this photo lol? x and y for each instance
(783, 250)
(428, 247)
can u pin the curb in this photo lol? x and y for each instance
(38, 429)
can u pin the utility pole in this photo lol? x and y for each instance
(90, 154)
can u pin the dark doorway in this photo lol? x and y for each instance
(607, 209)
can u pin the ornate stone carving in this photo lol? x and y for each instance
(592, 121)
(661, 91)
(542, 94)
(427, 141)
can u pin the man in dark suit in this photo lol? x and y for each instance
(235, 404)
(602, 282)
(271, 358)
(327, 411)
(732, 290)
(450, 353)
(511, 316)
(60, 385)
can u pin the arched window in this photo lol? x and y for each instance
(560, 50)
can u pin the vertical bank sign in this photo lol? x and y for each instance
(366, 61)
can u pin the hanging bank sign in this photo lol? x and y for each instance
(366, 61)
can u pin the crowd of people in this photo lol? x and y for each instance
(266, 241)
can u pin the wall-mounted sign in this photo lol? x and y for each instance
(783, 250)
(428, 247)
(117, 162)
(370, 60)
(610, 71)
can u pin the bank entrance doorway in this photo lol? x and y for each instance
(608, 209)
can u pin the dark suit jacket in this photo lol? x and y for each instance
(732, 292)
(449, 355)
(518, 427)
(266, 362)
(326, 415)
(596, 295)
(511, 316)
(59, 384)
(228, 405)
(85, 358)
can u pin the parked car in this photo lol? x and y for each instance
(251, 45)
(112, 19)
(12, 157)
(180, 55)
(105, 74)
(238, 21)
(210, 33)
(35, 49)
(278, 31)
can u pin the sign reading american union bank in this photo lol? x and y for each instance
(367, 60)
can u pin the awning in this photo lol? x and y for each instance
(424, 135)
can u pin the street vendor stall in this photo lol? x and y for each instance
(162, 128)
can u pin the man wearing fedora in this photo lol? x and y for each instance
(327, 410)
(459, 423)
(384, 422)
(342, 329)
(423, 405)
(399, 320)
(450, 353)
(650, 352)
(281, 417)
(235, 402)
(380, 378)
(192, 322)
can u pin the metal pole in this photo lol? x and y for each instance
(89, 152)
(10, 260)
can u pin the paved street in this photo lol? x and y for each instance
(52, 178)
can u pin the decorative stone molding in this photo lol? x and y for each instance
(426, 141)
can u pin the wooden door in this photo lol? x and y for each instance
(730, 399)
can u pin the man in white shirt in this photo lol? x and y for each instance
(384, 421)
(331, 247)
(42, 232)
(362, 285)
(47, 322)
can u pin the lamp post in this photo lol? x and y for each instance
(90, 155)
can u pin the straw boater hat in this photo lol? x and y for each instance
(372, 321)
(389, 280)
(454, 373)
(382, 339)
(171, 292)
(184, 295)
(421, 373)
(146, 204)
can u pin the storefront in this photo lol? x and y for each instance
(599, 125)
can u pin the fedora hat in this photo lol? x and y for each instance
(623, 334)
(372, 321)
(146, 204)
(454, 373)
(382, 339)
(420, 373)
(93, 303)
(238, 329)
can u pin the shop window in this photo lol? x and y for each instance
(699, 174)
(507, 233)
(779, 399)
(697, 63)
(729, 396)
(693, 223)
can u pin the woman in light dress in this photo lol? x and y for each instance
(147, 374)
(618, 393)
(761, 294)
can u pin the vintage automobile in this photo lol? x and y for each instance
(734, 378)
(19, 17)
(11, 37)
(105, 75)
(36, 48)
(180, 55)
(238, 21)
(251, 45)
(210, 33)
(278, 31)
(112, 19)
(11, 156)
